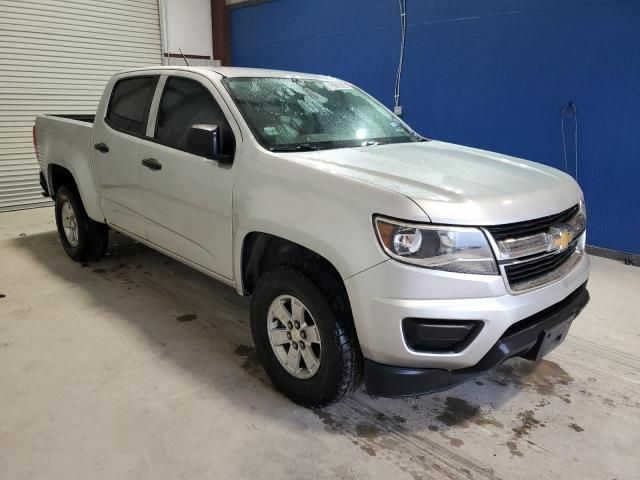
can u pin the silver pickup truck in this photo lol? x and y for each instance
(368, 250)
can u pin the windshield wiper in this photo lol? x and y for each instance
(373, 143)
(301, 147)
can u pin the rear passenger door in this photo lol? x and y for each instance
(116, 142)
(188, 197)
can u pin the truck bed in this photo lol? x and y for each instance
(80, 117)
(65, 140)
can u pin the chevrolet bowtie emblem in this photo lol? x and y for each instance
(559, 238)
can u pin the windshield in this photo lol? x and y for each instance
(304, 114)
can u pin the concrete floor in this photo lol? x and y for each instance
(139, 367)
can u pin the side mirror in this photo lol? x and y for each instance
(209, 141)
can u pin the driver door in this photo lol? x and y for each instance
(187, 197)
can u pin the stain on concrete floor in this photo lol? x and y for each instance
(576, 427)
(528, 421)
(457, 411)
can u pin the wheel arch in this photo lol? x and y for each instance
(263, 251)
(59, 175)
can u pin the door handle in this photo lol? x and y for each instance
(152, 163)
(101, 147)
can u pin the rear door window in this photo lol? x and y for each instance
(185, 103)
(129, 106)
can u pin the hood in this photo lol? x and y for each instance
(455, 184)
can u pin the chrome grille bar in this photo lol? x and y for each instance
(530, 258)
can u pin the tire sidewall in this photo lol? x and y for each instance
(63, 195)
(320, 386)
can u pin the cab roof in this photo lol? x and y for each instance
(235, 72)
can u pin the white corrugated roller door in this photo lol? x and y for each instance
(55, 57)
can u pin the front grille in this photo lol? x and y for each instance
(531, 227)
(519, 273)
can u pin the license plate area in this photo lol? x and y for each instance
(550, 339)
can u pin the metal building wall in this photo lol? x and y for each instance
(55, 57)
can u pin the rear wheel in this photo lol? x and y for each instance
(82, 238)
(307, 348)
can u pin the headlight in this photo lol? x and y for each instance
(582, 207)
(454, 249)
(582, 244)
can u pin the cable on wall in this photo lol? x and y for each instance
(397, 109)
(569, 111)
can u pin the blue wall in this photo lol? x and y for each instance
(493, 74)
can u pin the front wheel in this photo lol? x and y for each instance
(82, 238)
(308, 350)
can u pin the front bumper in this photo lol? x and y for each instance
(382, 296)
(521, 339)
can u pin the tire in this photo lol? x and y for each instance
(90, 239)
(340, 360)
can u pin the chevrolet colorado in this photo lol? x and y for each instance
(368, 250)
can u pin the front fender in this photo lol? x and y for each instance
(326, 212)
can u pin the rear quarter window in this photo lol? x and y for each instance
(129, 105)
